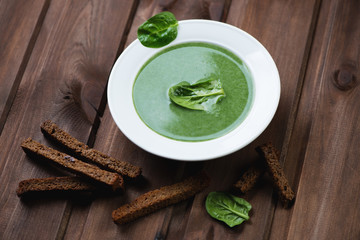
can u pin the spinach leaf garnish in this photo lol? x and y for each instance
(158, 30)
(227, 208)
(201, 95)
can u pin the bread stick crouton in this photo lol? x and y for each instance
(53, 184)
(40, 152)
(160, 198)
(84, 152)
(271, 157)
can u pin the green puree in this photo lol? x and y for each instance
(191, 62)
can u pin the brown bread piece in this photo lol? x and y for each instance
(40, 152)
(160, 198)
(249, 178)
(271, 156)
(53, 184)
(84, 152)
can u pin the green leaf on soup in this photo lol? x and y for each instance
(158, 30)
(202, 95)
(227, 208)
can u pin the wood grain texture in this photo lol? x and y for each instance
(57, 58)
(287, 43)
(156, 171)
(326, 134)
(63, 81)
(20, 22)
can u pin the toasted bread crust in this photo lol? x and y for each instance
(249, 178)
(40, 152)
(84, 152)
(160, 198)
(53, 184)
(271, 156)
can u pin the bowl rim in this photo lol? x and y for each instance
(266, 95)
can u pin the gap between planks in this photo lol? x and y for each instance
(23, 64)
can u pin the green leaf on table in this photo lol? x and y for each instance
(158, 30)
(202, 95)
(227, 208)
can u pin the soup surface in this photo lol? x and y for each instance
(191, 62)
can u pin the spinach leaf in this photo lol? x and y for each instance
(158, 30)
(201, 95)
(227, 208)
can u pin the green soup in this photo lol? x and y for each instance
(191, 62)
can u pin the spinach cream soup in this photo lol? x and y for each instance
(191, 62)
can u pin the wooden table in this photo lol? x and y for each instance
(56, 56)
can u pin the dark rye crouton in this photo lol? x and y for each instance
(66, 184)
(38, 151)
(160, 198)
(249, 178)
(271, 156)
(84, 152)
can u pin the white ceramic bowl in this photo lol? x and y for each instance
(266, 85)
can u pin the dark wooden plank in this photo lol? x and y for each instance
(64, 81)
(323, 151)
(285, 30)
(156, 171)
(20, 22)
